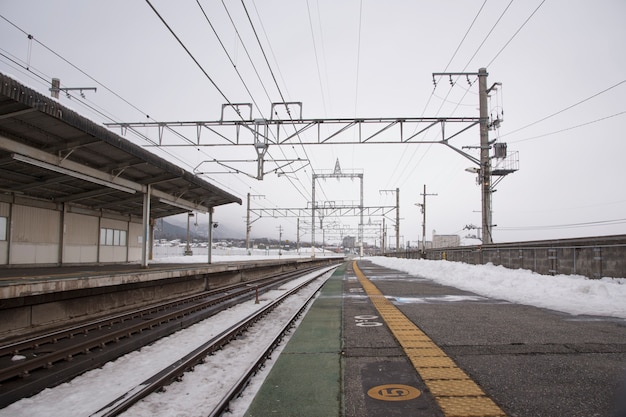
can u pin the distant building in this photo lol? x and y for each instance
(446, 241)
(348, 242)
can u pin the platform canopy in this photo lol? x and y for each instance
(50, 152)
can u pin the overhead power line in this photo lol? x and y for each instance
(487, 36)
(565, 109)
(465, 36)
(569, 128)
(565, 226)
(188, 52)
(269, 66)
(515, 34)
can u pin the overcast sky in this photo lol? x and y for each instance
(562, 65)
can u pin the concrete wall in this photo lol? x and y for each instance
(595, 257)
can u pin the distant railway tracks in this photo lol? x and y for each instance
(31, 365)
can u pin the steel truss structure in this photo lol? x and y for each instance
(260, 133)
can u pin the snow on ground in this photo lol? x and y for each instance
(236, 254)
(94, 389)
(572, 294)
(196, 393)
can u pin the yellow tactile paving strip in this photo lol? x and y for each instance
(455, 392)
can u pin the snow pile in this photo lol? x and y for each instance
(572, 294)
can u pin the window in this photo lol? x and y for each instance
(112, 237)
(3, 228)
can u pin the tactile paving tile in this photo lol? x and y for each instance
(454, 388)
(410, 342)
(469, 407)
(432, 362)
(454, 372)
(456, 393)
(425, 352)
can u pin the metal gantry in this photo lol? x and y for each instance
(261, 133)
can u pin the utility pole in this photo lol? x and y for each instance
(210, 233)
(397, 220)
(423, 207)
(280, 240)
(485, 161)
(397, 226)
(384, 237)
(248, 224)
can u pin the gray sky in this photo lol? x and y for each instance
(562, 65)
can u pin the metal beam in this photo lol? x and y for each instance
(228, 132)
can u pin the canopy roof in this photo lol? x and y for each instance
(50, 152)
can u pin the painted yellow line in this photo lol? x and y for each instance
(456, 393)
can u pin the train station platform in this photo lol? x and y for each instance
(379, 342)
(35, 299)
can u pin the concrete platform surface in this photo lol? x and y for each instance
(379, 342)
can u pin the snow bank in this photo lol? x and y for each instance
(572, 294)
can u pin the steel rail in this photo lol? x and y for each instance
(188, 362)
(23, 369)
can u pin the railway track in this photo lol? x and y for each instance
(31, 365)
(176, 370)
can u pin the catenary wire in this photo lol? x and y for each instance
(237, 70)
(112, 118)
(565, 109)
(569, 128)
(299, 190)
(273, 77)
(488, 34)
(515, 34)
(417, 148)
(194, 60)
(465, 36)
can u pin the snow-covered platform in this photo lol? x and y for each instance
(381, 342)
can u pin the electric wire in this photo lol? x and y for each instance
(180, 42)
(101, 112)
(418, 147)
(237, 70)
(229, 57)
(302, 193)
(465, 36)
(565, 226)
(515, 34)
(70, 64)
(274, 79)
(269, 44)
(358, 66)
(488, 35)
(565, 109)
(317, 61)
(569, 128)
(111, 118)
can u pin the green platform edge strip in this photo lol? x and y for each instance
(306, 378)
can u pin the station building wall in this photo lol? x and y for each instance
(34, 232)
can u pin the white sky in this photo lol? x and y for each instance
(364, 59)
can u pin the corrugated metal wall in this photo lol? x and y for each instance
(35, 225)
(35, 235)
(81, 229)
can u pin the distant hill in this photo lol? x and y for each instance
(176, 228)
